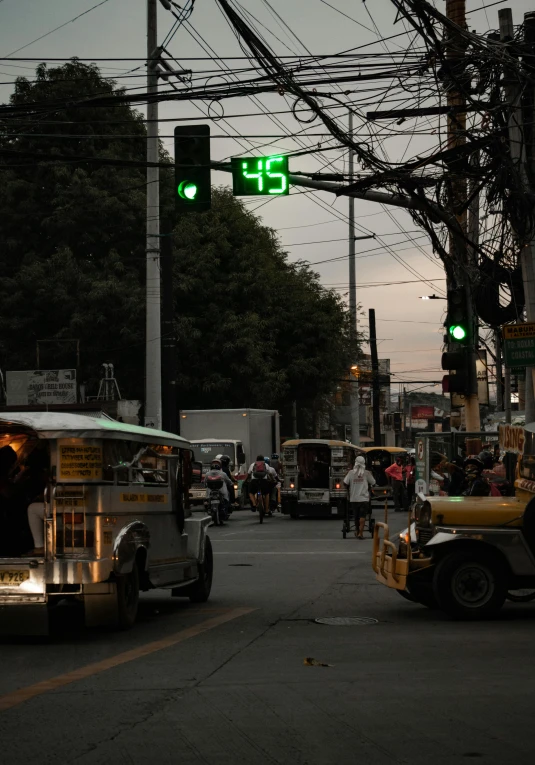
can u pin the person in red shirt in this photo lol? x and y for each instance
(397, 474)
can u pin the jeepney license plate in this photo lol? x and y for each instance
(198, 493)
(13, 578)
(314, 494)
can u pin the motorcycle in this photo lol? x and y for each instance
(215, 502)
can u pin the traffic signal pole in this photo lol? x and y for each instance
(153, 363)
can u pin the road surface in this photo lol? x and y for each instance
(225, 683)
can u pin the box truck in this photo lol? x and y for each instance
(240, 433)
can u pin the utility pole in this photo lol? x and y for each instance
(153, 356)
(375, 380)
(353, 378)
(507, 395)
(517, 150)
(460, 255)
(169, 366)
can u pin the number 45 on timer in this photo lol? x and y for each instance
(255, 176)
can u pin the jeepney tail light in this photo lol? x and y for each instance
(292, 485)
(337, 485)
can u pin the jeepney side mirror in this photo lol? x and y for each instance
(196, 472)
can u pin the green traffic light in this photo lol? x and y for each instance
(458, 332)
(187, 190)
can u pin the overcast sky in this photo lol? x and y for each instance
(410, 329)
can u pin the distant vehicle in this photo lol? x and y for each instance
(240, 433)
(113, 518)
(314, 471)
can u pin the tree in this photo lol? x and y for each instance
(268, 332)
(253, 329)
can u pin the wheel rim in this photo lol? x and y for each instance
(473, 585)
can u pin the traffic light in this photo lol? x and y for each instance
(456, 362)
(458, 322)
(193, 190)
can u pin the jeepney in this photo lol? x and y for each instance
(113, 503)
(314, 470)
(465, 555)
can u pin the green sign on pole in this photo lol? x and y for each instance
(255, 176)
(519, 345)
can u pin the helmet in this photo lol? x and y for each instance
(275, 457)
(225, 459)
(219, 456)
(266, 460)
(215, 464)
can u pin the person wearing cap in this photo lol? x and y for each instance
(358, 482)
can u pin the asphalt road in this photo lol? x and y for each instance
(225, 683)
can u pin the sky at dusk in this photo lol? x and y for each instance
(311, 227)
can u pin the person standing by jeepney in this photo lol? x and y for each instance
(397, 473)
(358, 482)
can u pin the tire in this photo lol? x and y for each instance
(344, 533)
(470, 584)
(199, 591)
(261, 513)
(521, 596)
(372, 526)
(128, 598)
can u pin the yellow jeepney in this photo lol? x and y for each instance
(465, 555)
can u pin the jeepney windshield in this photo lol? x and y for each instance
(205, 453)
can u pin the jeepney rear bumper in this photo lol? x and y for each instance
(390, 569)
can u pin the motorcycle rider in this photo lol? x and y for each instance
(275, 491)
(225, 467)
(261, 477)
(213, 474)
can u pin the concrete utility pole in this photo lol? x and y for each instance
(353, 379)
(153, 361)
(517, 149)
(461, 257)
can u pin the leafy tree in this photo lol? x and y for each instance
(253, 329)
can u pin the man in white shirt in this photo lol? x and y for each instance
(358, 482)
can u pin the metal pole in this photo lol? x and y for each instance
(517, 149)
(507, 395)
(499, 370)
(169, 366)
(153, 363)
(375, 380)
(354, 383)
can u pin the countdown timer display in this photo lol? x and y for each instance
(259, 176)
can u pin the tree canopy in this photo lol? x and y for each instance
(253, 329)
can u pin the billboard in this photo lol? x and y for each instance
(41, 387)
(419, 412)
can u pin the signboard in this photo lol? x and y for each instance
(420, 487)
(41, 387)
(80, 460)
(422, 457)
(519, 345)
(511, 438)
(255, 176)
(422, 412)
